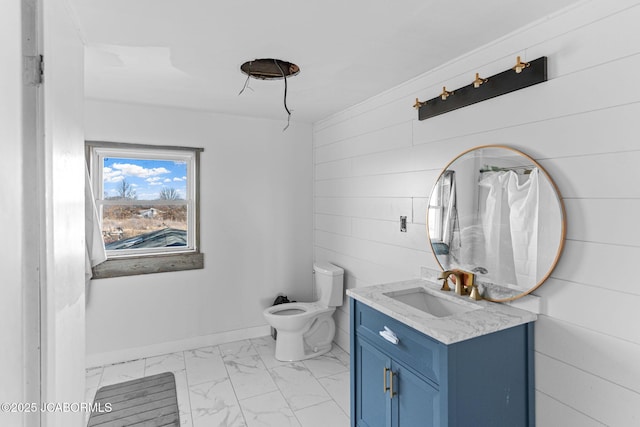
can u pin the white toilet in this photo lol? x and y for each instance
(306, 329)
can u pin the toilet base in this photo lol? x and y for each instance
(316, 341)
(290, 348)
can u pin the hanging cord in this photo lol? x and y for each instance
(246, 85)
(246, 82)
(285, 95)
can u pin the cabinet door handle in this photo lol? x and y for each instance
(384, 379)
(391, 393)
(389, 335)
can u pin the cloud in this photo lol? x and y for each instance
(176, 179)
(128, 169)
(166, 180)
(109, 175)
(154, 180)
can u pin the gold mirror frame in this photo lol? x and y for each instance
(496, 292)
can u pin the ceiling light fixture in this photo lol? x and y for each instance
(270, 69)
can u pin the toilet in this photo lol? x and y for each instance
(306, 329)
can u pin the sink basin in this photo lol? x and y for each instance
(425, 301)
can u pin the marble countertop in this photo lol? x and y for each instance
(483, 317)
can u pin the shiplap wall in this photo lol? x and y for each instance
(375, 162)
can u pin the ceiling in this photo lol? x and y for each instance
(187, 53)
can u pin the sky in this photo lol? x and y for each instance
(147, 177)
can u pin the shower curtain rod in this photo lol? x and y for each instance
(527, 169)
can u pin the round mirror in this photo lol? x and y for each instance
(495, 211)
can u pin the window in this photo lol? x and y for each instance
(147, 202)
(443, 217)
(435, 211)
(441, 204)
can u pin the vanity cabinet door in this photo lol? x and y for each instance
(372, 402)
(416, 403)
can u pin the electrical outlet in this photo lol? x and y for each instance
(403, 224)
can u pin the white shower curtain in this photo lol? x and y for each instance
(510, 226)
(95, 252)
(523, 219)
(495, 226)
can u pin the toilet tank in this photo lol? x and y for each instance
(329, 282)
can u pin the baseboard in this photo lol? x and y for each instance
(342, 339)
(119, 356)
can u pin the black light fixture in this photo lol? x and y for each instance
(520, 76)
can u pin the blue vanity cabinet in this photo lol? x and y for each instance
(414, 401)
(483, 381)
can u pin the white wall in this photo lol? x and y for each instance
(42, 269)
(256, 234)
(14, 307)
(376, 161)
(62, 252)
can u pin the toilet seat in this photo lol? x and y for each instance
(297, 310)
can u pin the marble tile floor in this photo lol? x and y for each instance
(242, 384)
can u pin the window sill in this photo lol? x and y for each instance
(134, 266)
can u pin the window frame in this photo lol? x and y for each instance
(436, 209)
(127, 262)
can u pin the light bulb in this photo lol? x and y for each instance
(444, 95)
(520, 65)
(478, 81)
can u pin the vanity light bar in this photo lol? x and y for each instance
(522, 75)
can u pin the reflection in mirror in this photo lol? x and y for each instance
(495, 212)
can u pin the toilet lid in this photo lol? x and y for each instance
(289, 312)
